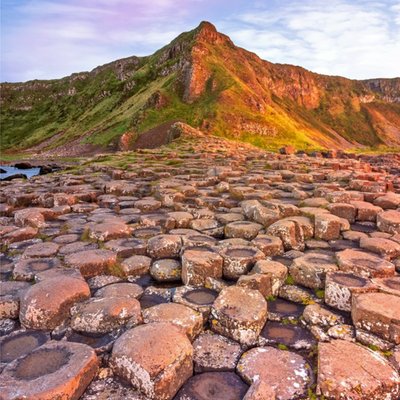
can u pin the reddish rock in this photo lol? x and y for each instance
(366, 211)
(288, 378)
(364, 264)
(10, 295)
(155, 358)
(384, 247)
(289, 232)
(185, 318)
(350, 371)
(239, 313)
(46, 249)
(136, 265)
(200, 263)
(214, 352)
(164, 246)
(92, 262)
(389, 221)
(56, 370)
(105, 314)
(378, 313)
(47, 303)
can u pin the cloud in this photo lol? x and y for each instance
(357, 39)
(53, 38)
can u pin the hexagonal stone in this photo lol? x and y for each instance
(92, 262)
(46, 249)
(104, 314)
(147, 205)
(109, 230)
(10, 295)
(289, 232)
(364, 263)
(46, 304)
(212, 385)
(239, 313)
(164, 246)
(214, 352)
(327, 227)
(389, 221)
(343, 210)
(185, 318)
(26, 269)
(56, 370)
(123, 289)
(276, 270)
(366, 211)
(260, 282)
(198, 298)
(292, 336)
(378, 313)
(310, 270)
(127, 247)
(388, 285)
(315, 314)
(289, 377)
(136, 265)
(384, 247)
(259, 390)
(19, 343)
(341, 286)
(269, 245)
(199, 263)
(348, 370)
(242, 229)
(155, 358)
(166, 270)
(238, 260)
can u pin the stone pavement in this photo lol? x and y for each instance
(207, 269)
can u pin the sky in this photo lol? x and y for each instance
(47, 39)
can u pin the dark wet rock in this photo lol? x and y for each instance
(209, 385)
(287, 335)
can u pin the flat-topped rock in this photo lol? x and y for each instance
(310, 270)
(164, 246)
(185, 318)
(109, 230)
(154, 358)
(104, 314)
(384, 247)
(378, 313)
(120, 289)
(341, 286)
(200, 263)
(136, 265)
(214, 352)
(10, 295)
(239, 313)
(27, 269)
(19, 343)
(289, 377)
(212, 385)
(242, 229)
(389, 221)
(56, 370)
(46, 249)
(348, 370)
(166, 270)
(46, 304)
(92, 262)
(364, 263)
(238, 260)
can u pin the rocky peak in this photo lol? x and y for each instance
(207, 32)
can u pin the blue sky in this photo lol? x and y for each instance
(47, 39)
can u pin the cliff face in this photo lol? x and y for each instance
(203, 79)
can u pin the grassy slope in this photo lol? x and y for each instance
(104, 107)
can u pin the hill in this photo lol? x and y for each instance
(203, 79)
